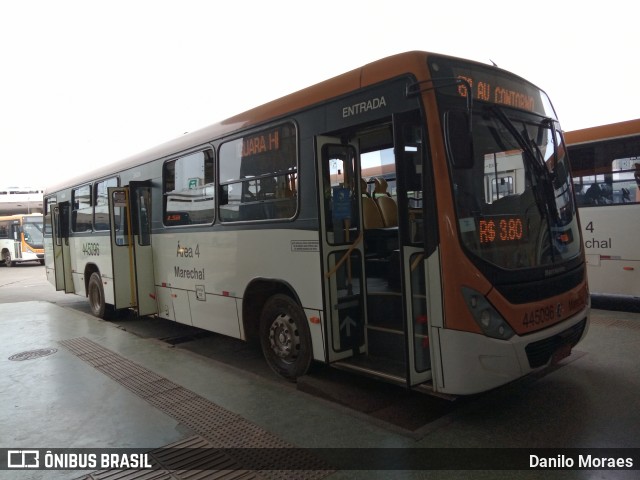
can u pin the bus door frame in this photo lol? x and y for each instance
(347, 319)
(425, 257)
(60, 221)
(131, 252)
(414, 257)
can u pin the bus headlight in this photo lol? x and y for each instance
(487, 318)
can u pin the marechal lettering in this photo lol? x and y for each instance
(190, 273)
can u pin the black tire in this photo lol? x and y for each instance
(95, 293)
(285, 337)
(6, 256)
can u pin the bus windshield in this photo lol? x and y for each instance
(33, 235)
(514, 199)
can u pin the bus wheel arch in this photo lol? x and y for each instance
(272, 313)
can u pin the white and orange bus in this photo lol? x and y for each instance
(605, 161)
(21, 238)
(261, 227)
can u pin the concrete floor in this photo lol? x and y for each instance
(61, 401)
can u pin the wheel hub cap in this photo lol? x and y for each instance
(283, 337)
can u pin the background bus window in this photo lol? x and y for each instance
(101, 200)
(32, 228)
(606, 173)
(82, 211)
(189, 194)
(617, 186)
(259, 176)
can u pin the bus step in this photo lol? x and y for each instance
(385, 311)
(380, 367)
(388, 345)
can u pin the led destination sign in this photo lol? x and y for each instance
(487, 92)
(264, 142)
(489, 84)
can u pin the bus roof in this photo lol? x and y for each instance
(603, 132)
(334, 87)
(369, 74)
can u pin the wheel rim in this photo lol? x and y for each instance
(284, 338)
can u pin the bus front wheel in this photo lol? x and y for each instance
(96, 297)
(285, 337)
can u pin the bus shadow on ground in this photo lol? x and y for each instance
(392, 406)
(617, 303)
(408, 412)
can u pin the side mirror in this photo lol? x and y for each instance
(458, 138)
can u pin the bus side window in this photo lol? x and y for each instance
(101, 211)
(82, 212)
(258, 176)
(189, 193)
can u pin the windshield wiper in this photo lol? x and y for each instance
(542, 168)
(531, 148)
(543, 193)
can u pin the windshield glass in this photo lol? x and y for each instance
(514, 200)
(33, 234)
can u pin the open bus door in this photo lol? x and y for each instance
(60, 220)
(342, 251)
(382, 283)
(131, 253)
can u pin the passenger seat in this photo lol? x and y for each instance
(387, 205)
(372, 218)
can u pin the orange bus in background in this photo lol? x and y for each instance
(264, 226)
(21, 238)
(605, 161)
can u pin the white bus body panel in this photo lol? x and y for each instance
(198, 273)
(610, 236)
(203, 307)
(95, 250)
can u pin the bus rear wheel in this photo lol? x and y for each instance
(96, 297)
(6, 256)
(285, 337)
